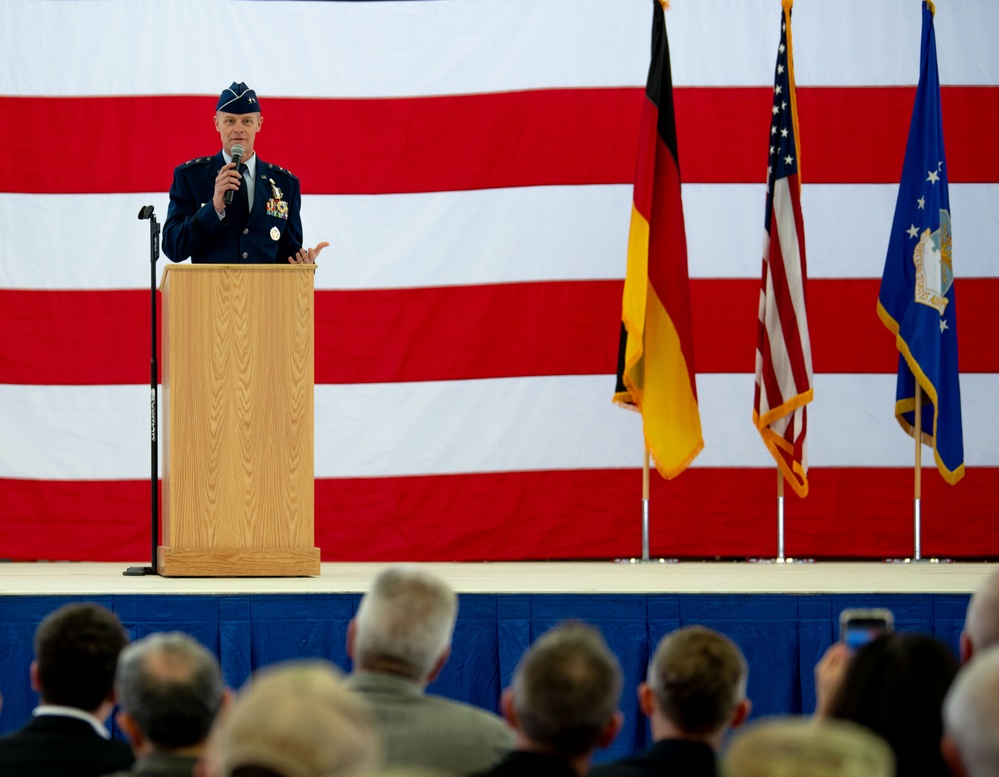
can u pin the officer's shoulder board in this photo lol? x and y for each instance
(200, 160)
(275, 170)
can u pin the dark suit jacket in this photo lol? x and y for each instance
(521, 763)
(160, 765)
(270, 233)
(667, 758)
(57, 746)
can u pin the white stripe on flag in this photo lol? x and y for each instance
(562, 233)
(369, 49)
(378, 430)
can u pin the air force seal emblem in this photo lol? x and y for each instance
(934, 265)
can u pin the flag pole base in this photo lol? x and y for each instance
(645, 529)
(781, 560)
(659, 560)
(913, 560)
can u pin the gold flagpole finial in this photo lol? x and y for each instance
(664, 4)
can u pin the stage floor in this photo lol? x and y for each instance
(597, 577)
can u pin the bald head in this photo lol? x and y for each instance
(971, 718)
(981, 625)
(171, 687)
(800, 747)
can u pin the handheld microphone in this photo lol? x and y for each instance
(237, 157)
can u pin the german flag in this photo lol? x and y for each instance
(656, 358)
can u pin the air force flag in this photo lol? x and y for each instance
(917, 300)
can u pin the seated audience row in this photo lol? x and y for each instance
(892, 707)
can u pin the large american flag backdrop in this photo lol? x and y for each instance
(470, 162)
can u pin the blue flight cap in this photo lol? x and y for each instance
(238, 98)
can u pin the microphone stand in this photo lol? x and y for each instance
(146, 212)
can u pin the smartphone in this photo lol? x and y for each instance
(858, 627)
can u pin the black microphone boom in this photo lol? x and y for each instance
(237, 157)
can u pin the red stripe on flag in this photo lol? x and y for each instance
(859, 134)
(449, 333)
(647, 144)
(370, 146)
(849, 513)
(467, 332)
(422, 144)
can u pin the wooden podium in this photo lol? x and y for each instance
(238, 427)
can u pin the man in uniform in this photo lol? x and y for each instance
(261, 224)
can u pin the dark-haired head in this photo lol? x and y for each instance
(896, 686)
(76, 652)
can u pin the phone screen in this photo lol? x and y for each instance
(860, 631)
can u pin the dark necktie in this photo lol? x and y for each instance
(244, 190)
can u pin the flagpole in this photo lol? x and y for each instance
(780, 517)
(645, 504)
(919, 460)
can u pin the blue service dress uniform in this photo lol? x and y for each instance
(270, 233)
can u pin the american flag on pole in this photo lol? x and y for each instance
(783, 352)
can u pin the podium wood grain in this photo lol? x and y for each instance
(238, 385)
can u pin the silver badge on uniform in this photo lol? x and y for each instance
(275, 233)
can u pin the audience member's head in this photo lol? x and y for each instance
(798, 747)
(971, 718)
(404, 624)
(295, 720)
(169, 688)
(696, 687)
(76, 652)
(896, 686)
(981, 625)
(565, 694)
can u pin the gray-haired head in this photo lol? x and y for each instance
(566, 689)
(799, 747)
(698, 677)
(981, 624)
(172, 687)
(971, 716)
(404, 623)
